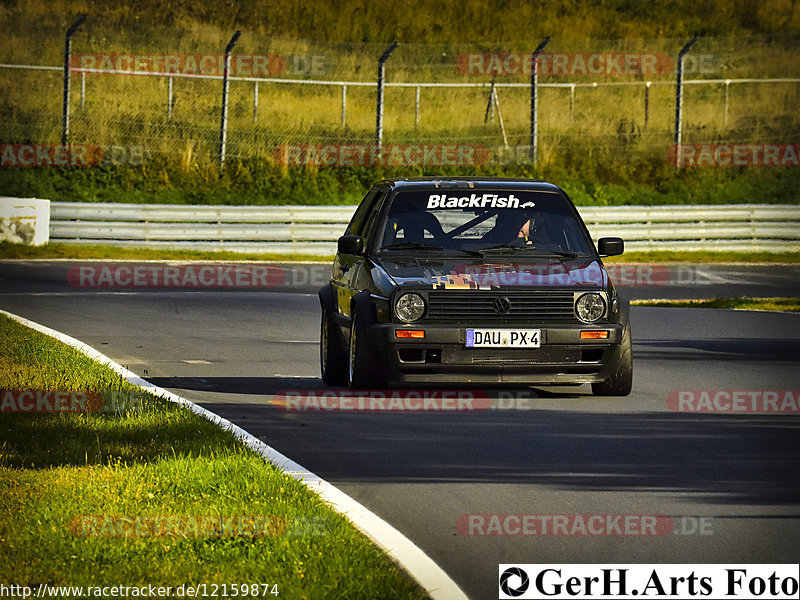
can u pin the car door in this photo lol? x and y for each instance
(348, 269)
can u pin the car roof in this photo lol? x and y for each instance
(466, 183)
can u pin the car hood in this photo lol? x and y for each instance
(457, 273)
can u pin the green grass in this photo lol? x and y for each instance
(157, 461)
(56, 250)
(259, 183)
(665, 256)
(450, 21)
(738, 303)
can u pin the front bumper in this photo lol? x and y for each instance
(442, 355)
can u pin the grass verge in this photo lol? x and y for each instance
(738, 303)
(55, 250)
(86, 496)
(671, 256)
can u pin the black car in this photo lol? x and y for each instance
(473, 280)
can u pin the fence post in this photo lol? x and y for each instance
(490, 105)
(679, 101)
(534, 150)
(344, 106)
(255, 102)
(416, 109)
(647, 103)
(379, 118)
(67, 55)
(727, 91)
(223, 129)
(572, 103)
(169, 98)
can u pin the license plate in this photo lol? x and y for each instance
(503, 338)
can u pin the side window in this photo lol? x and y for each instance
(372, 217)
(356, 226)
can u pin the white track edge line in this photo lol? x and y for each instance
(410, 557)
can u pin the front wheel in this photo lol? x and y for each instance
(362, 372)
(332, 357)
(620, 382)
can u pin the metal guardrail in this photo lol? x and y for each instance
(313, 230)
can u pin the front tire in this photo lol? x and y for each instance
(362, 372)
(619, 383)
(332, 356)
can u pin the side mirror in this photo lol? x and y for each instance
(610, 246)
(350, 244)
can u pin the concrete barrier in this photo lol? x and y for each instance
(25, 221)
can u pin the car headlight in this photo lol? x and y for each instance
(409, 307)
(590, 307)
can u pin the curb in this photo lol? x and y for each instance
(405, 553)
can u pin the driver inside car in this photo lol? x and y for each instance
(511, 227)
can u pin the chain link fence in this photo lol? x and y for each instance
(154, 95)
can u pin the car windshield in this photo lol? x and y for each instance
(484, 222)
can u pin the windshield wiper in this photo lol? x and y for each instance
(506, 247)
(412, 246)
(425, 246)
(478, 253)
(562, 253)
(538, 252)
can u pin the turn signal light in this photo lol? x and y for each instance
(594, 335)
(409, 333)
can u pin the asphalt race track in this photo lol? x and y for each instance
(726, 479)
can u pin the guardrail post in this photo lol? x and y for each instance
(679, 101)
(67, 55)
(381, 70)
(534, 150)
(223, 129)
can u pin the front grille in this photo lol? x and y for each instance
(488, 306)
